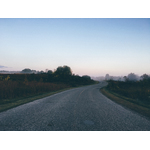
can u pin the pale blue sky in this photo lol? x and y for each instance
(89, 46)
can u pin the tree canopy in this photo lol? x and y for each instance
(26, 70)
(63, 71)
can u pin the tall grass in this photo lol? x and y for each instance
(139, 90)
(14, 89)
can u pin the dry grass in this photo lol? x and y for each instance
(19, 101)
(128, 103)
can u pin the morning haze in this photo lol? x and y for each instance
(89, 46)
(75, 75)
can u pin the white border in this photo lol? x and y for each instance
(74, 9)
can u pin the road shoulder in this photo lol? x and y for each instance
(126, 103)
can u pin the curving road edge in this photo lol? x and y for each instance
(79, 109)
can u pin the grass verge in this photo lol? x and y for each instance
(19, 101)
(128, 103)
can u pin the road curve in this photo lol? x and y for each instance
(79, 109)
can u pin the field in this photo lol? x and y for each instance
(133, 95)
(139, 90)
(16, 89)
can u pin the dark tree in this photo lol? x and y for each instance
(87, 77)
(63, 71)
(132, 77)
(145, 77)
(50, 72)
(41, 72)
(26, 70)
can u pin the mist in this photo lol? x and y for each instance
(130, 77)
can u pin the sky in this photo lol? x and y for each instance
(89, 46)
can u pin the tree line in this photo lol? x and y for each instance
(132, 88)
(129, 77)
(28, 84)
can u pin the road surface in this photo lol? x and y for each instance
(79, 109)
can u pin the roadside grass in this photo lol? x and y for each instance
(132, 104)
(20, 101)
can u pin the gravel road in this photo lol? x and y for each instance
(79, 109)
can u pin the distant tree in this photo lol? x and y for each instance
(41, 72)
(67, 70)
(145, 77)
(132, 77)
(26, 70)
(125, 78)
(63, 71)
(33, 71)
(50, 72)
(87, 77)
(107, 77)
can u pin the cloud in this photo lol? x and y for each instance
(3, 66)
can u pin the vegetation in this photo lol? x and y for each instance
(139, 90)
(14, 86)
(128, 103)
(13, 89)
(132, 93)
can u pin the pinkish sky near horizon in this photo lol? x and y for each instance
(91, 46)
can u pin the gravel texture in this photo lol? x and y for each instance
(79, 109)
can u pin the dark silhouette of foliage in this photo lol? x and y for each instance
(139, 90)
(145, 77)
(50, 72)
(132, 77)
(25, 84)
(14, 89)
(27, 70)
(63, 72)
(87, 77)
